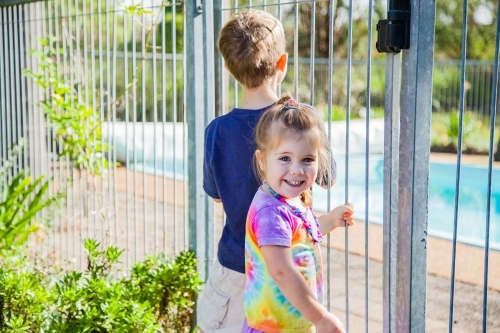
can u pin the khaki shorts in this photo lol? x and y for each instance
(220, 308)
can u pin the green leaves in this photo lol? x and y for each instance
(21, 199)
(158, 296)
(76, 126)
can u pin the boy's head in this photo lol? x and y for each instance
(252, 43)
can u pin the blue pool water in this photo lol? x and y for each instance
(472, 204)
(442, 180)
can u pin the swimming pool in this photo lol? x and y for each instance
(442, 180)
(472, 204)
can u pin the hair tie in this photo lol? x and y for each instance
(291, 100)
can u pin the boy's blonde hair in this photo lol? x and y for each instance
(251, 43)
(288, 119)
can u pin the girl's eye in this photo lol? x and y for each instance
(308, 160)
(284, 158)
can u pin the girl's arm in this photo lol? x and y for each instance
(336, 218)
(294, 287)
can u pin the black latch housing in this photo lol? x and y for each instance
(394, 33)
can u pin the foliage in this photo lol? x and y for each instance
(165, 30)
(340, 29)
(481, 29)
(445, 131)
(157, 297)
(21, 200)
(339, 113)
(77, 128)
(169, 286)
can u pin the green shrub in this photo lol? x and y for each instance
(445, 130)
(158, 296)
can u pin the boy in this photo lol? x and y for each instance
(252, 44)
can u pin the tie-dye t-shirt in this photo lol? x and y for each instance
(270, 222)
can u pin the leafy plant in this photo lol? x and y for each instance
(21, 199)
(77, 128)
(157, 297)
(445, 130)
(170, 287)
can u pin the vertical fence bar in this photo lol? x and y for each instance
(414, 170)
(113, 220)
(296, 51)
(390, 193)
(347, 124)
(143, 122)
(134, 133)
(128, 230)
(459, 160)
(3, 107)
(494, 95)
(155, 122)
(312, 61)
(8, 74)
(209, 79)
(367, 162)
(164, 123)
(331, 22)
(88, 79)
(197, 102)
(16, 123)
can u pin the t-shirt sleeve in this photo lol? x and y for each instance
(209, 184)
(272, 226)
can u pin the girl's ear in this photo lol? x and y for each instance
(259, 156)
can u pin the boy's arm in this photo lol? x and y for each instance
(294, 287)
(209, 184)
(336, 218)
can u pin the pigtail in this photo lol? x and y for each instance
(287, 100)
(307, 198)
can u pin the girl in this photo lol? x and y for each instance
(284, 285)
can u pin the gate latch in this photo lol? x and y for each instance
(394, 33)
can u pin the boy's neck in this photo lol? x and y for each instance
(258, 98)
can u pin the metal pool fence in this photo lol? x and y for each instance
(150, 74)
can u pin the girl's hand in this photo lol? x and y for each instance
(342, 214)
(336, 218)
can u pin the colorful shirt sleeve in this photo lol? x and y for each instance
(272, 226)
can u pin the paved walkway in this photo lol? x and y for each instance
(146, 226)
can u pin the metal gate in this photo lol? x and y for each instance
(146, 68)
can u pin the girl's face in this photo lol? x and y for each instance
(290, 168)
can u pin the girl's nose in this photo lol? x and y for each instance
(296, 170)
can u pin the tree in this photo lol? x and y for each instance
(340, 33)
(481, 29)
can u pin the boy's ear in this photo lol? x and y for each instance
(282, 62)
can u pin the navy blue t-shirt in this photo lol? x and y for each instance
(228, 175)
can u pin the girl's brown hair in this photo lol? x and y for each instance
(286, 119)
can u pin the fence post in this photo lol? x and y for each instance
(391, 170)
(199, 112)
(416, 108)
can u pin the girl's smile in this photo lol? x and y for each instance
(290, 168)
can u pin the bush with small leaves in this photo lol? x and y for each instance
(158, 296)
